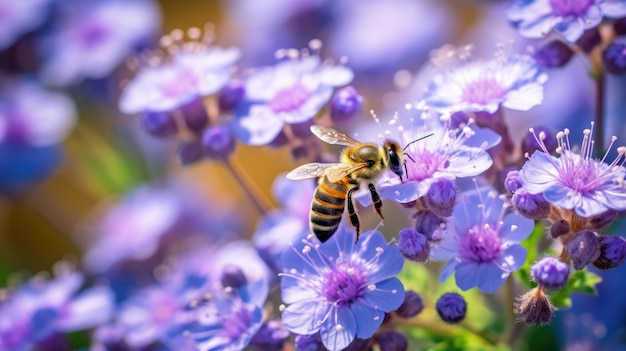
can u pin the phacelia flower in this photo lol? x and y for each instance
(576, 181)
(614, 58)
(291, 92)
(346, 105)
(413, 245)
(340, 289)
(19, 17)
(550, 272)
(226, 320)
(451, 307)
(481, 242)
(583, 248)
(193, 69)
(553, 54)
(536, 18)
(392, 340)
(29, 134)
(42, 307)
(447, 154)
(91, 38)
(472, 85)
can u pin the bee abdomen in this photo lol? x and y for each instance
(327, 209)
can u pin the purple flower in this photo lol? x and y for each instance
(340, 289)
(19, 17)
(550, 273)
(463, 84)
(536, 18)
(291, 92)
(576, 181)
(92, 38)
(446, 154)
(480, 242)
(226, 320)
(42, 307)
(451, 307)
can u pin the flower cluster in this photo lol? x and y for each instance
(176, 243)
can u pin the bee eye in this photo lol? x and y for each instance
(370, 163)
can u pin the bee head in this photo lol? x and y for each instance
(394, 157)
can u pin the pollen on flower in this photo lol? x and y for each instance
(282, 307)
(306, 250)
(371, 287)
(339, 327)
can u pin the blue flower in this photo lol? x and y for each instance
(447, 154)
(340, 289)
(91, 38)
(226, 319)
(42, 307)
(462, 84)
(536, 18)
(291, 92)
(19, 17)
(576, 181)
(480, 242)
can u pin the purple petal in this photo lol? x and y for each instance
(304, 317)
(369, 319)
(338, 331)
(467, 275)
(523, 227)
(539, 172)
(491, 278)
(256, 125)
(512, 258)
(447, 270)
(614, 8)
(384, 297)
(91, 308)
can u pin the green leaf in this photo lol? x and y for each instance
(580, 281)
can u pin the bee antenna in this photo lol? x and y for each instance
(416, 140)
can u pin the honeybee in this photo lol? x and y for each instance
(360, 162)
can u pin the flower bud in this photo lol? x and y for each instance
(428, 223)
(158, 124)
(554, 54)
(271, 336)
(589, 40)
(612, 252)
(550, 273)
(195, 115)
(309, 343)
(440, 197)
(231, 95)
(411, 306)
(583, 248)
(512, 181)
(548, 138)
(358, 344)
(345, 105)
(603, 219)
(558, 228)
(219, 142)
(190, 152)
(534, 307)
(392, 340)
(614, 58)
(451, 307)
(413, 245)
(529, 205)
(232, 276)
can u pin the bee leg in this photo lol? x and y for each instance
(354, 217)
(378, 204)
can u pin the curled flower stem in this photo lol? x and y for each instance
(259, 200)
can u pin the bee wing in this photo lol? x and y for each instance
(312, 170)
(332, 136)
(342, 170)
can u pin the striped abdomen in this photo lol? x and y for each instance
(327, 208)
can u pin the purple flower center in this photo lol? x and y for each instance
(481, 244)
(343, 284)
(237, 323)
(426, 163)
(93, 34)
(289, 99)
(483, 91)
(570, 7)
(182, 85)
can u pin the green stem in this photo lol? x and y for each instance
(599, 110)
(513, 328)
(447, 330)
(259, 201)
